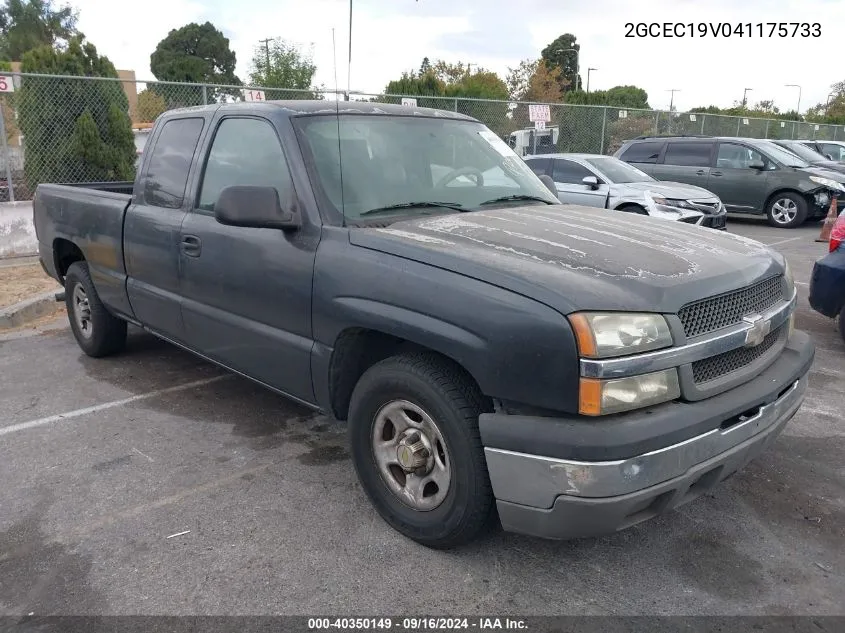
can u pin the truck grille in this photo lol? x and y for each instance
(715, 313)
(724, 364)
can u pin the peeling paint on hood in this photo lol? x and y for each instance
(613, 260)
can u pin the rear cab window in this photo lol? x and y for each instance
(643, 152)
(170, 162)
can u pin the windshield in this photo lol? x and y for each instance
(803, 151)
(392, 164)
(617, 171)
(779, 154)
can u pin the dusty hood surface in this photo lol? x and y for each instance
(575, 258)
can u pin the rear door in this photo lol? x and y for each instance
(742, 189)
(643, 154)
(569, 175)
(247, 291)
(153, 223)
(686, 161)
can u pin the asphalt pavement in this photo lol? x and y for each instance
(155, 483)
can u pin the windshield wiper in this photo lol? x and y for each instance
(414, 205)
(516, 197)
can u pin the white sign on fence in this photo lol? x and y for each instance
(7, 83)
(623, 114)
(539, 125)
(782, 124)
(692, 117)
(539, 112)
(817, 128)
(253, 95)
(745, 121)
(408, 101)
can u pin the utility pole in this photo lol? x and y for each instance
(672, 98)
(349, 59)
(744, 100)
(589, 70)
(266, 43)
(798, 109)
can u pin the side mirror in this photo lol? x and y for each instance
(253, 206)
(759, 165)
(550, 184)
(591, 181)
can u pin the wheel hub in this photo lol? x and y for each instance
(413, 452)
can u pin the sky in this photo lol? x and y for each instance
(391, 36)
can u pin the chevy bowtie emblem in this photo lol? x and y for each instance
(759, 330)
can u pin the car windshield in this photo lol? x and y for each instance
(617, 171)
(401, 166)
(802, 151)
(781, 155)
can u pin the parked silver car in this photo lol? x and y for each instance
(595, 180)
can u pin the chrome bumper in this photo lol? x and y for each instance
(536, 481)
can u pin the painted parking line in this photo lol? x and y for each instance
(69, 415)
(791, 239)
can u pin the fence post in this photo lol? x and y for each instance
(456, 104)
(204, 95)
(738, 121)
(793, 131)
(766, 133)
(656, 121)
(603, 126)
(6, 152)
(703, 116)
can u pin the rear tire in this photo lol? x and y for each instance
(97, 332)
(786, 210)
(422, 407)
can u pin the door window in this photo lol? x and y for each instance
(645, 152)
(569, 173)
(837, 152)
(733, 156)
(688, 154)
(244, 152)
(539, 166)
(170, 162)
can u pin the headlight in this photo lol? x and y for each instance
(788, 278)
(680, 204)
(827, 182)
(602, 397)
(609, 334)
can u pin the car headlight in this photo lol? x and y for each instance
(610, 334)
(827, 182)
(679, 204)
(788, 279)
(603, 397)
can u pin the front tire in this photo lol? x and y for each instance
(97, 332)
(786, 210)
(413, 430)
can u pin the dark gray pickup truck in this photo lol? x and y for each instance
(495, 353)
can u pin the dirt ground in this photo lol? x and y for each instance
(20, 282)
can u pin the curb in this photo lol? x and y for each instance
(20, 313)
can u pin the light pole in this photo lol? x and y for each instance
(745, 92)
(349, 59)
(577, 65)
(798, 109)
(589, 70)
(672, 98)
(827, 103)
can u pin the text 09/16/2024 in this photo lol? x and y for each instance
(722, 29)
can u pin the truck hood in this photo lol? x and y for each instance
(666, 189)
(573, 258)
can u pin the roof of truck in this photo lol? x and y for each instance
(295, 107)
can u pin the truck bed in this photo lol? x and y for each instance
(91, 219)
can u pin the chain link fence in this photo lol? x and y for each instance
(90, 129)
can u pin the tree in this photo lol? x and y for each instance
(195, 53)
(629, 97)
(29, 24)
(518, 78)
(558, 54)
(278, 64)
(425, 66)
(150, 105)
(544, 85)
(75, 130)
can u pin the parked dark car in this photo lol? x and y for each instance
(403, 269)
(810, 155)
(750, 176)
(832, 150)
(827, 285)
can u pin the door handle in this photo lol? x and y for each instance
(700, 172)
(715, 173)
(191, 245)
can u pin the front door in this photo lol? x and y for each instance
(569, 176)
(741, 188)
(246, 292)
(685, 161)
(152, 228)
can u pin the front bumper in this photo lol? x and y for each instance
(560, 497)
(827, 284)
